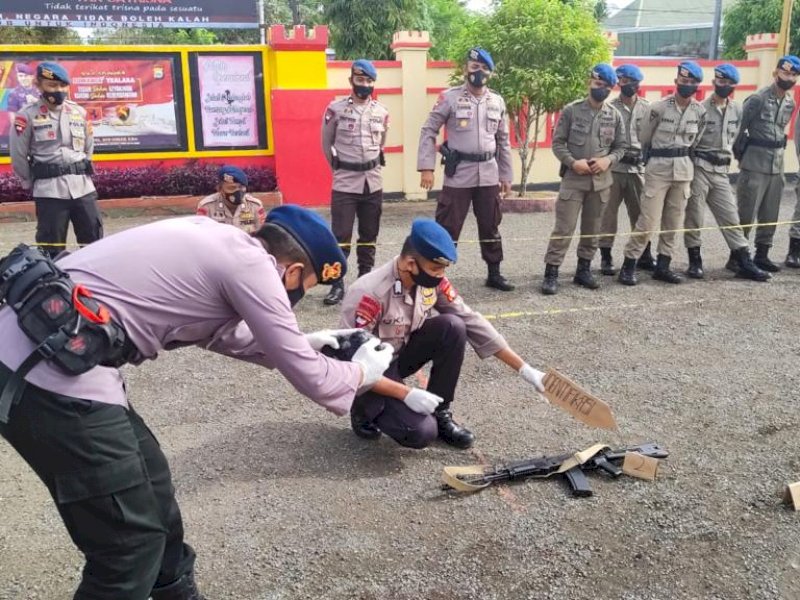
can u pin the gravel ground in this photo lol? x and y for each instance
(281, 501)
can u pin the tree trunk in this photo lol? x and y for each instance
(294, 6)
(521, 132)
(533, 116)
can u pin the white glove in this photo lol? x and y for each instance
(327, 337)
(373, 362)
(422, 401)
(532, 376)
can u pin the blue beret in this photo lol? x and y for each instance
(313, 234)
(363, 67)
(689, 68)
(789, 63)
(728, 71)
(52, 71)
(433, 242)
(605, 73)
(482, 56)
(230, 173)
(25, 69)
(631, 72)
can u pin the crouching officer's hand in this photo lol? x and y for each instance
(422, 401)
(373, 358)
(532, 376)
(327, 337)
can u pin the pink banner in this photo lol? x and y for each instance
(228, 101)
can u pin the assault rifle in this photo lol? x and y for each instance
(572, 467)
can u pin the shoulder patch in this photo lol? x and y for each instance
(367, 311)
(329, 114)
(20, 124)
(202, 211)
(439, 100)
(447, 290)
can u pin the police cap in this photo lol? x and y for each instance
(233, 174)
(482, 56)
(789, 63)
(605, 73)
(313, 234)
(630, 72)
(363, 67)
(689, 68)
(52, 71)
(727, 71)
(432, 241)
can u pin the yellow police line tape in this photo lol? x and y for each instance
(596, 308)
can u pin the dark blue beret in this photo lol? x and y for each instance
(231, 173)
(728, 71)
(605, 73)
(789, 63)
(363, 67)
(482, 56)
(631, 72)
(689, 68)
(52, 71)
(313, 234)
(432, 241)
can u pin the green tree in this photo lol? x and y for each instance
(747, 17)
(543, 52)
(365, 27)
(39, 35)
(132, 36)
(445, 21)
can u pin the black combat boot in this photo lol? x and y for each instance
(646, 262)
(793, 258)
(627, 274)
(663, 272)
(183, 588)
(695, 270)
(451, 432)
(583, 275)
(550, 281)
(335, 295)
(362, 426)
(607, 262)
(746, 268)
(497, 281)
(733, 260)
(762, 259)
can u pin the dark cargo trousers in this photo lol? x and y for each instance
(53, 216)
(441, 340)
(112, 487)
(451, 212)
(345, 207)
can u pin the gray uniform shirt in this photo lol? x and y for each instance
(358, 133)
(667, 126)
(473, 125)
(765, 117)
(632, 118)
(722, 127)
(583, 132)
(189, 281)
(59, 137)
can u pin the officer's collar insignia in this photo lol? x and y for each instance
(48, 74)
(397, 289)
(428, 296)
(331, 271)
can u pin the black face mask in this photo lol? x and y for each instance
(784, 84)
(599, 94)
(478, 78)
(629, 89)
(56, 98)
(687, 91)
(723, 91)
(236, 197)
(363, 91)
(425, 279)
(297, 293)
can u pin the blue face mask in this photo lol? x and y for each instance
(56, 98)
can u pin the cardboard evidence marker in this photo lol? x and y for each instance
(791, 495)
(638, 465)
(572, 398)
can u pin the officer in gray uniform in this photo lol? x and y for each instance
(588, 140)
(759, 149)
(353, 136)
(51, 149)
(670, 131)
(477, 157)
(793, 257)
(712, 159)
(628, 173)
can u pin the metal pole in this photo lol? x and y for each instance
(713, 45)
(786, 18)
(262, 26)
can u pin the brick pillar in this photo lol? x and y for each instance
(763, 47)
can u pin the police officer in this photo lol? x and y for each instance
(25, 92)
(176, 282)
(51, 150)
(231, 203)
(712, 159)
(588, 140)
(410, 304)
(670, 131)
(353, 136)
(628, 174)
(759, 150)
(480, 170)
(793, 256)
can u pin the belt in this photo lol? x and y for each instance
(469, 157)
(765, 143)
(50, 170)
(718, 160)
(349, 166)
(631, 159)
(669, 152)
